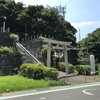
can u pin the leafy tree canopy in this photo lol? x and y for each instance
(36, 20)
(91, 45)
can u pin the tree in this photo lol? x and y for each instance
(90, 45)
(29, 17)
(10, 9)
(36, 20)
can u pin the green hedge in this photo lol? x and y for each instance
(99, 69)
(37, 71)
(71, 68)
(83, 69)
(79, 69)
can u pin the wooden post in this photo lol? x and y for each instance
(49, 55)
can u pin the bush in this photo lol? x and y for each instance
(61, 66)
(37, 71)
(13, 36)
(83, 69)
(5, 50)
(50, 73)
(58, 83)
(99, 69)
(71, 68)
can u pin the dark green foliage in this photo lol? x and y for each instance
(36, 20)
(58, 83)
(99, 69)
(5, 39)
(90, 45)
(51, 73)
(44, 53)
(83, 69)
(61, 66)
(71, 68)
(36, 71)
(97, 66)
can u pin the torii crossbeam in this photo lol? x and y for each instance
(60, 46)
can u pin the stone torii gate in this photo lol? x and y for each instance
(60, 45)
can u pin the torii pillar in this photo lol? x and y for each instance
(66, 59)
(49, 55)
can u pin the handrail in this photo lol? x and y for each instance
(25, 50)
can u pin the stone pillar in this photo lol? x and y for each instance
(49, 55)
(1, 29)
(66, 59)
(4, 26)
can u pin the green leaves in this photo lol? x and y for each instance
(5, 50)
(37, 71)
(91, 45)
(13, 36)
(37, 20)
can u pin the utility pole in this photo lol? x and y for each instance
(62, 9)
(79, 35)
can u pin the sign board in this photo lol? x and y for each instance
(92, 63)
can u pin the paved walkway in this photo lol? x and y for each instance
(79, 79)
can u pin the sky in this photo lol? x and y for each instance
(82, 14)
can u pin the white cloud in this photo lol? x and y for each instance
(85, 24)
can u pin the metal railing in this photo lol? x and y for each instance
(35, 60)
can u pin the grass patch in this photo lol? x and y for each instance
(17, 83)
(98, 75)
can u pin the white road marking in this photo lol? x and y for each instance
(43, 98)
(48, 91)
(88, 93)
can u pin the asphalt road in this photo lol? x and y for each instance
(77, 92)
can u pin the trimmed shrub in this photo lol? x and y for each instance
(50, 73)
(61, 66)
(13, 36)
(71, 68)
(83, 69)
(99, 69)
(58, 83)
(37, 71)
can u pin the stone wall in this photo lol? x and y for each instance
(34, 46)
(5, 39)
(9, 63)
